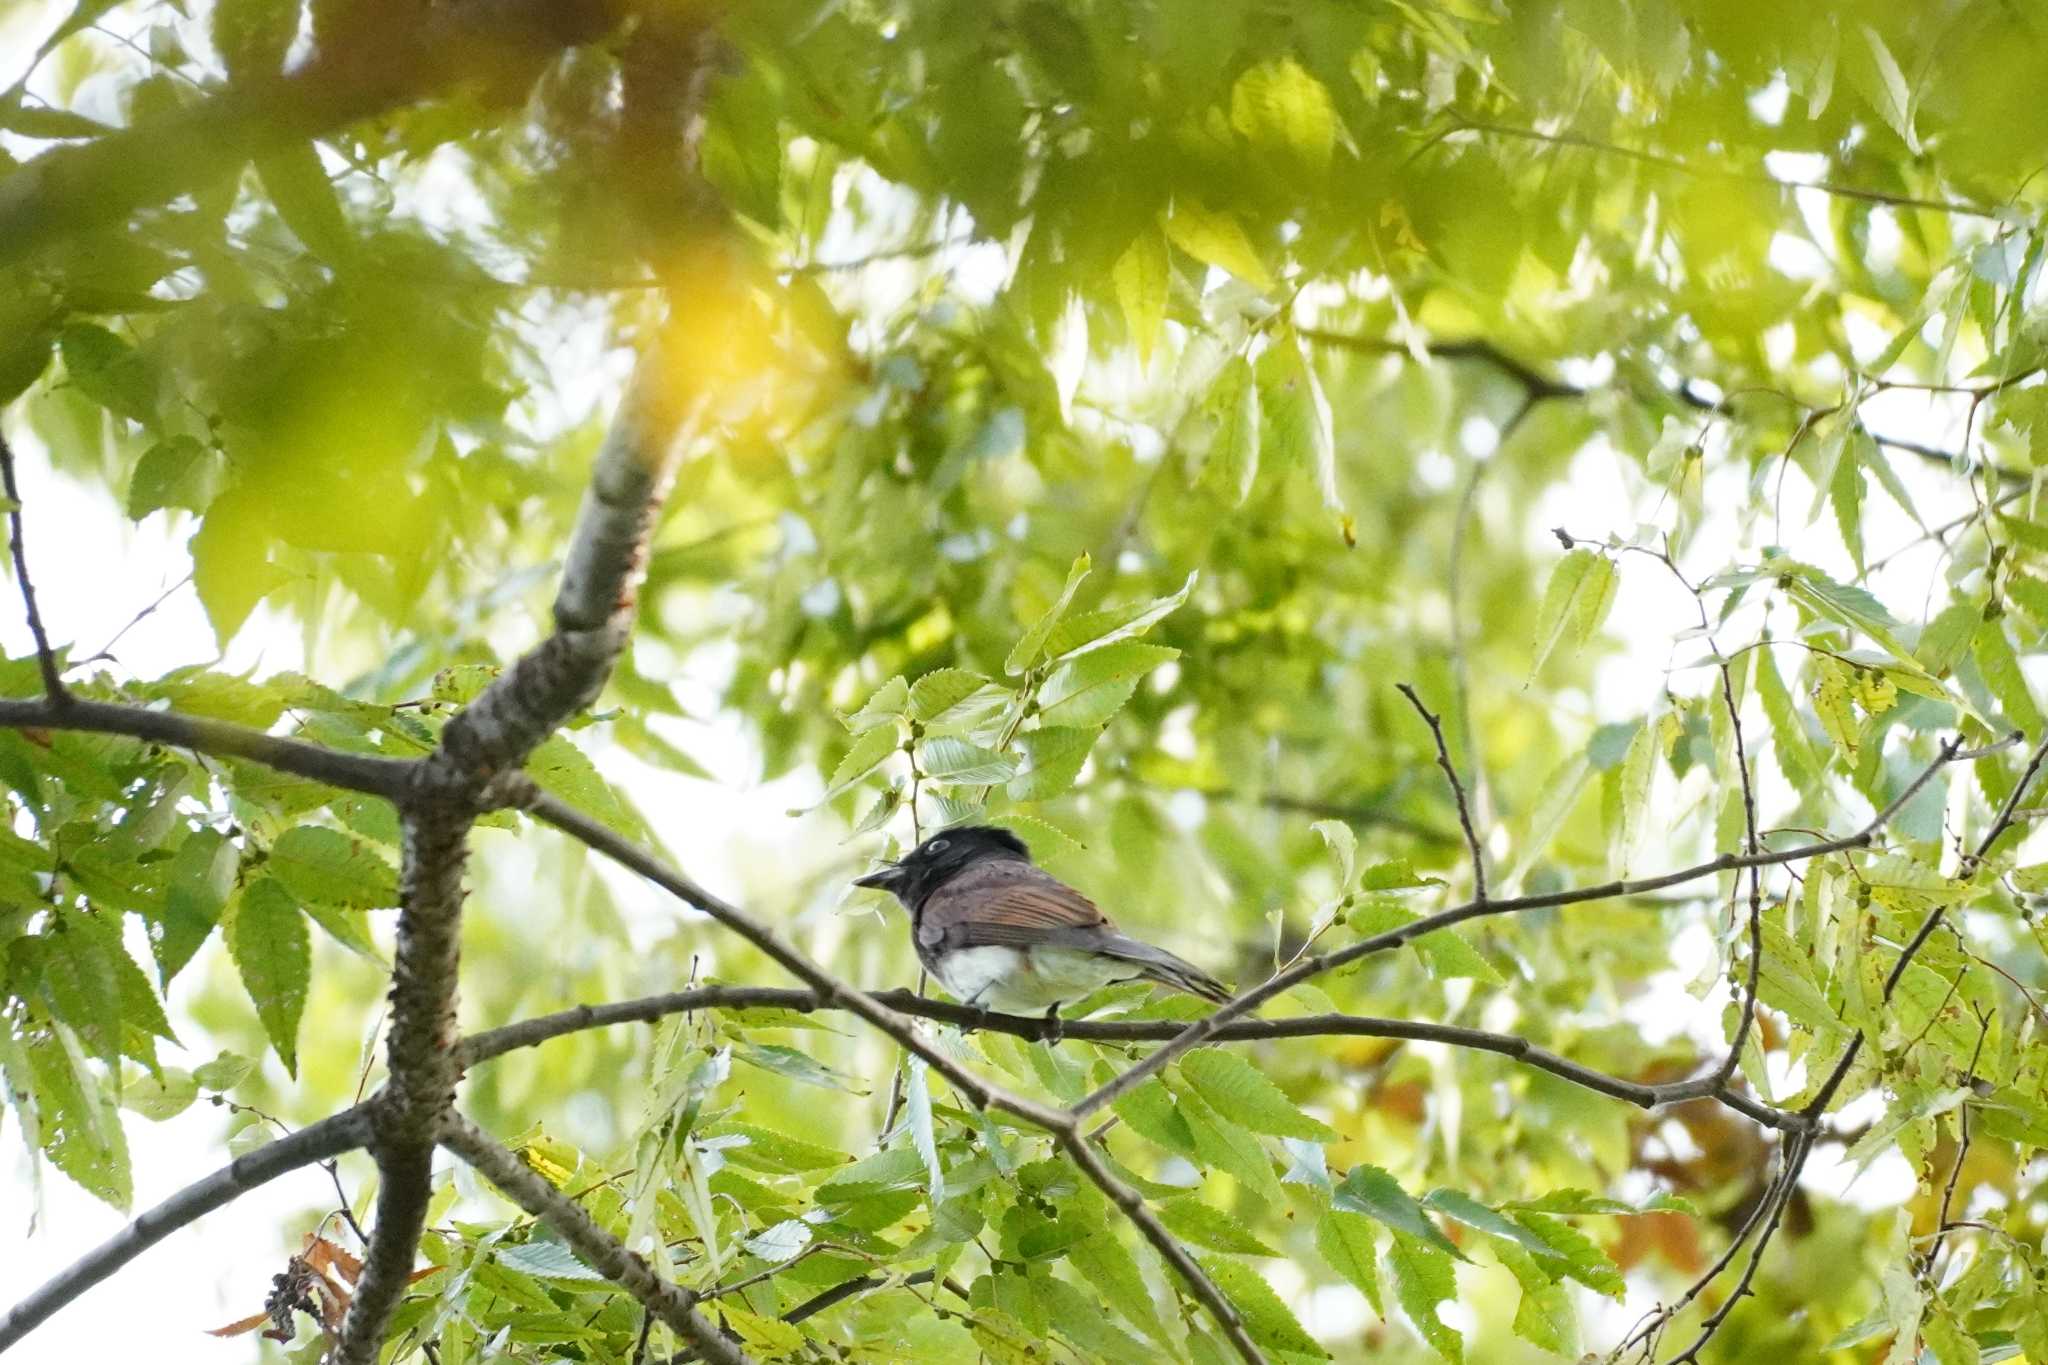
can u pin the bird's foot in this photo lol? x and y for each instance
(1055, 1027)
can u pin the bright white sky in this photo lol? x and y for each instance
(96, 571)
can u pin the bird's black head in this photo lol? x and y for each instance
(938, 859)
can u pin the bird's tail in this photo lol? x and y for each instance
(1156, 964)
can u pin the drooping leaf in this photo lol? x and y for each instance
(268, 940)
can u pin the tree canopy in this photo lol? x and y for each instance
(1507, 529)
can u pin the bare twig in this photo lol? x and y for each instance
(1443, 760)
(46, 658)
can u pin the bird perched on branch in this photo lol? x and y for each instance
(1000, 934)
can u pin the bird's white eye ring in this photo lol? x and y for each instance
(938, 845)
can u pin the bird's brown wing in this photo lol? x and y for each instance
(1010, 903)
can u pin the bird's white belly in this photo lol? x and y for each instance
(1025, 981)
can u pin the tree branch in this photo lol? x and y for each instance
(598, 1249)
(46, 658)
(1277, 984)
(497, 1042)
(481, 750)
(386, 777)
(376, 66)
(344, 1132)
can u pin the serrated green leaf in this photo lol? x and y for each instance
(1207, 1226)
(1094, 629)
(1228, 1147)
(867, 753)
(223, 1073)
(890, 700)
(1446, 952)
(1032, 642)
(1593, 600)
(1580, 1257)
(267, 939)
(1462, 1207)
(1557, 610)
(1424, 1278)
(163, 1095)
(898, 1168)
(1370, 1190)
(1345, 1240)
(778, 1153)
(940, 690)
(1845, 493)
(1235, 1087)
(1266, 1317)
(77, 1123)
(1089, 688)
(1544, 1316)
(797, 1066)
(328, 867)
(1111, 1271)
(954, 760)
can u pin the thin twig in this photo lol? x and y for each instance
(46, 658)
(1443, 760)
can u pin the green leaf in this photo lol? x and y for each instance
(297, 183)
(1797, 760)
(1846, 605)
(166, 1094)
(1845, 492)
(1345, 1240)
(868, 752)
(1446, 952)
(1193, 1221)
(1298, 421)
(778, 1153)
(1545, 1316)
(108, 370)
(1370, 1190)
(171, 473)
(953, 760)
(1888, 92)
(223, 1073)
(1593, 600)
(2001, 670)
(1142, 276)
(1947, 1338)
(1582, 1259)
(267, 939)
(1111, 1272)
(1090, 688)
(1462, 1207)
(898, 1168)
(1423, 1279)
(1558, 610)
(77, 1122)
(1223, 1144)
(1094, 629)
(328, 867)
(565, 772)
(1235, 1087)
(917, 1111)
(1216, 239)
(890, 700)
(1032, 642)
(1232, 462)
(797, 1066)
(939, 691)
(1281, 109)
(1266, 1318)
(1343, 845)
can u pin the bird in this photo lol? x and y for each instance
(1003, 935)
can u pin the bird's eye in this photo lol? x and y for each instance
(938, 845)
